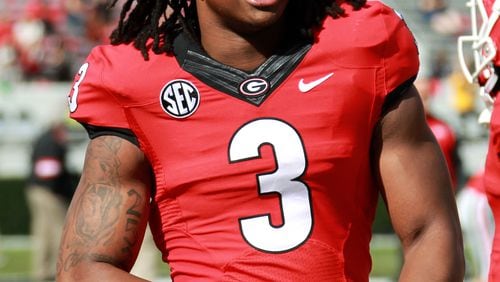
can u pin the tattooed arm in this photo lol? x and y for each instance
(108, 215)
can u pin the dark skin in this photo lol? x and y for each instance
(417, 190)
(250, 34)
(107, 218)
(108, 215)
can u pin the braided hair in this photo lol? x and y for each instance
(163, 20)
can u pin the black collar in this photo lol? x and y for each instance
(253, 87)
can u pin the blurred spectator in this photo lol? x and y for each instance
(49, 191)
(449, 22)
(28, 34)
(49, 39)
(441, 18)
(54, 61)
(445, 135)
(40, 48)
(429, 8)
(477, 223)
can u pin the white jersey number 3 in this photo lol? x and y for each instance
(295, 199)
(73, 98)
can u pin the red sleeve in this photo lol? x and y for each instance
(400, 53)
(90, 101)
(374, 36)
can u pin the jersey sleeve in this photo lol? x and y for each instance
(400, 53)
(90, 100)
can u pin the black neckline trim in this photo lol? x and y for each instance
(193, 59)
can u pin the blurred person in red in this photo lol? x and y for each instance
(444, 133)
(40, 45)
(28, 33)
(482, 46)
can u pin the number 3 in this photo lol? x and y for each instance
(72, 99)
(295, 200)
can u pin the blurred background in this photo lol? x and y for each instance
(44, 42)
(42, 45)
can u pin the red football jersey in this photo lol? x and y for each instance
(263, 176)
(492, 184)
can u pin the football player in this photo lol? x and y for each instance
(263, 131)
(483, 44)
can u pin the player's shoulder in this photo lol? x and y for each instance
(122, 54)
(124, 67)
(367, 33)
(373, 10)
(371, 23)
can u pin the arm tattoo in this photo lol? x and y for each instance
(132, 221)
(97, 212)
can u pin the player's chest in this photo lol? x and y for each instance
(314, 117)
(301, 95)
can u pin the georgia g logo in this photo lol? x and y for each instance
(254, 86)
(179, 98)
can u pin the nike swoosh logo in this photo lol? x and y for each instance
(306, 87)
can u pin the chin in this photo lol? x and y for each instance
(258, 22)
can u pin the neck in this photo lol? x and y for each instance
(242, 51)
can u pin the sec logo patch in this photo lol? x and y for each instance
(179, 98)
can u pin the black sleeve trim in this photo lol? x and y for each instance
(96, 131)
(127, 134)
(395, 95)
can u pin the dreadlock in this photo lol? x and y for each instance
(163, 20)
